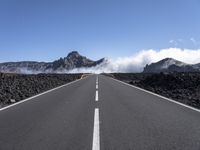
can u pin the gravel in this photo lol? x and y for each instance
(16, 87)
(182, 87)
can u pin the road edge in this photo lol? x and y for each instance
(45, 92)
(155, 94)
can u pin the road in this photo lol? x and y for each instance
(99, 113)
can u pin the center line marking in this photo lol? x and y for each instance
(96, 135)
(97, 86)
(97, 80)
(97, 96)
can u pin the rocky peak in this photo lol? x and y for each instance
(73, 54)
(73, 60)
(170, 65)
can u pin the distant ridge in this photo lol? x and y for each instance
(171, 65)
(62, 65)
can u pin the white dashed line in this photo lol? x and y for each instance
(97, 96)
(96, 135)
(97, 80)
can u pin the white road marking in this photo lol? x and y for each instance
(97, 80)
(30, 98)
(168, 99)
(96, 86)
(97, 95)
(96, 135)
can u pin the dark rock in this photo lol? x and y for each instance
(182, 87)
(19, 87)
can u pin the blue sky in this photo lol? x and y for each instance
(49, 29)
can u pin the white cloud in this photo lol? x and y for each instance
(176, 42)
(173, 42)
(136, 62)
(193, 41)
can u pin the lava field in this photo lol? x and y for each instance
(16, 87)
(182, 87)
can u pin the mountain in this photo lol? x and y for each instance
(72, 61)
(171, 65)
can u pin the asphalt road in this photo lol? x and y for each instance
(99, 114)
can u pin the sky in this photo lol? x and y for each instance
(45, 30)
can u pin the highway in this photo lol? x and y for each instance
(99, 113)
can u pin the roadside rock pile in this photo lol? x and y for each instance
(16, 87)
(182, 87)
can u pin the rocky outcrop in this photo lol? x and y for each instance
(73, 60)
(171, 65)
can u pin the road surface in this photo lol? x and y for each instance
(99, 113)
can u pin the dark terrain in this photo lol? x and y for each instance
(16, 87)
(182, 87)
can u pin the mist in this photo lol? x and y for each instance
(137, 61)
(134, 63)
